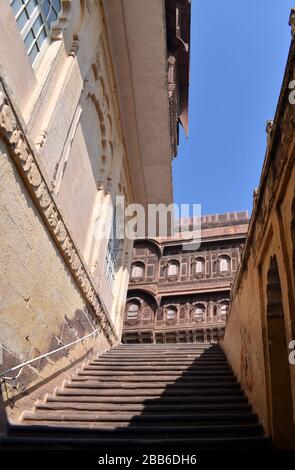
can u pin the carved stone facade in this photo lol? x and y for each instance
(182, 295)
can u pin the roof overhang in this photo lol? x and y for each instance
(178, 43)
(137, 38)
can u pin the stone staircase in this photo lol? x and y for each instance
(141, 396)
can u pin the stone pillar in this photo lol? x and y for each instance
(210, 312)
(187, 312)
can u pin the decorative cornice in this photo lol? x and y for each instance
(23, 156)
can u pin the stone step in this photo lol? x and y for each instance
(172, 352)
(151, 350)
(34, 438)
(95, 375)
(164, 367)
(185, 359)
(66, 403)
(146, 395)
(119, 429)
(153, 392)
(158, 363)
(90, 396)
(34, 441)
(146, 418)
(163, 354)
(146, 357)
(166, 346)
(196, 384)
(146, 374)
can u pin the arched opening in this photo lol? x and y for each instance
(173, 269)
(146, 248)
(278, 370)
(171, 313)
(200, 267)
(199, 313)
(223, 311)
(147, 307)
(133, 308)
(137, 271)
(224, 265)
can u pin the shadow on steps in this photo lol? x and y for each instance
(146, 398)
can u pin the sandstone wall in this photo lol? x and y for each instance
(41, 307)
(61, 156)
(261, 323)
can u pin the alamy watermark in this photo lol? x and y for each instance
(120, 221)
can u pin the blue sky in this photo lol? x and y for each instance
(239, 51)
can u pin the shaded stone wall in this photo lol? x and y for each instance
(61, 156)
(261, 322)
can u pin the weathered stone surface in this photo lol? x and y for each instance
(262, 316)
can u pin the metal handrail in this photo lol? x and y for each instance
(20, 366)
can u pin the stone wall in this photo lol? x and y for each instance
(61, 156)
(70, 144)
(261, 321)
(41, 307)
(67, 102)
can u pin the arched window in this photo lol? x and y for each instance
(137, 270)
(171, 312)
(133, 310)
(34, 19)
(223, 309)
(199, 267)
(224, 264)
(173, 268)
(199, 313)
